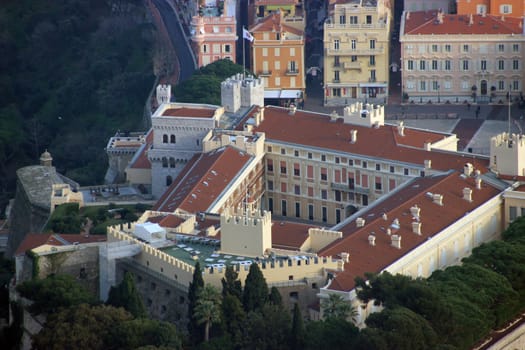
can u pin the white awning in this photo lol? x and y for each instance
(272, 93)
(291, 94)
(373, 85)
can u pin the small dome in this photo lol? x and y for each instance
(45, 158)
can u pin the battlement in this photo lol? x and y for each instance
(320, 238)
(163, 93)
(241, 91)
(251, 143)
(364, 114)
(508, 140)
(507, 154)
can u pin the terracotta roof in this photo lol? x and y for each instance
(186, 112)
(433, 217)
(203, 180)
(289, 235)
(426, 22)
(171, 221)
(141, 161)
(34, 240)
(274, 23)
(275, 2)
(315, 130)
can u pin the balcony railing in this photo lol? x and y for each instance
(347, 188)
(264, 73)
(380, 25)
(372, 80)
(292, 72)
(356, 52)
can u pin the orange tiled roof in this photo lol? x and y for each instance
(433, 217)
(142, 161)
(189, 112)
(426, 22)
(275, 2)
(274, 23)
(315, 130)
(34, 240)
(203, 180)
(289, 235)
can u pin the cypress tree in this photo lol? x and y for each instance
(275, 297)
(194, 328)
(255, 289)
(125, 295)
(298, 333)
(230, 284)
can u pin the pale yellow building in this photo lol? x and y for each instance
(356, 52)
(461, 58)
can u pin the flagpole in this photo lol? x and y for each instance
(243, 54)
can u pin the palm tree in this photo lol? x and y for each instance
(208, 308)
(336, 307)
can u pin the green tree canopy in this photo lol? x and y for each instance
(267, 328)
(255, 289)
(297, 333)
(336, 307)
(194, 328)
(125, 295)
(208, 308)
(54, 292)
(231, 284)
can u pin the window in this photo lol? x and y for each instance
(337, 195)
(422, 85)
(309, 155)
(342, 19)
(501, 64)
(392, 169)
(324, 194)
(269, 165)
(283, 167)
(297, 209)
(447, 84)
(501, 85)
(296, 169)
(353, 19)
(434, 48)
(368, 19)
(337, 160)
(310, 172)
(310, 191)
(481, 9)
(292, 51)
(515, 64)
(515, 47)
(270, 185)
(465, 85)
(172, 162)
(296, 153)
(324, 175)
(284, 187)
(372, 60)
(324, 210)
(336, 92)
(310, 211)
(337, 62)
(283, 207)
(353, 44)
(372, 44)
(336, 44)
(277, 52)
(323, 157)
(465, 48)
(501, 47)
(292, 66)
(164, 138)
(505, 9)
(269, 149)
(448, 65)
(465, 64)
(365, 164)
(410, 65)
(283, 150)
(227, 48)
(435, 85)
(336, 76)
(164, 162)
(173, 139)
(297, 189)
(422, 65)
(448, 48)
(277, 81)
(378, 184)
(513, 213)
(515, 85)
(353, 58)
(434, 64)
(483, 64)
(405, 171)
(378, 167)
(169, 180)
(351, 162)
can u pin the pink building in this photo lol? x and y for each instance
(214, 32)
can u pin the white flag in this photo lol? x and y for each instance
(246, 34)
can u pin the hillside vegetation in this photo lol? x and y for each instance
(72, 72)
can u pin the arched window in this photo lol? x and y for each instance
(173, 139)
(169, 180)
(172, 162)
(164, 138)
(164, 162)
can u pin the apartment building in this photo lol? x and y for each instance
(263, 8)
(513, 8)
(356, 52)
(426, 5)
(214, 32)
(461, 58)
(278, 57)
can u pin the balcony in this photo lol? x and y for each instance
(356, 52)
(372, 80)
(292, 72)
(352, 65)
(264, 73)
(347, 188)
(336, 81)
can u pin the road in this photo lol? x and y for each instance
(178, 39)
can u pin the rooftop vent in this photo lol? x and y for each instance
(396, 241)
(468, 169)
(467, 194)
(353, 136)
(415, 211)
(372, 240)
(360, 222)
(437, 198)
(478, 183)
(416, 228)
(401, 128)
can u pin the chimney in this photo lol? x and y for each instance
(292, 109)
(408, 15)
(353, 136)
(360, 222)
(372, 240)
(401, 128)
(396, 241)
(388, 231)
(427, 146)
(334, 116)
(428, 164)
(415, 210)
(478, 183)
(437, 198)
(416, 228)
(385, 217)
(467, 194)
(395, 223)
(345, 256)
(225, 140)
(468, 169)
